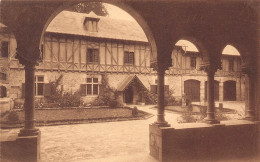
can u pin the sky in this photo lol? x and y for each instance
(117, 13)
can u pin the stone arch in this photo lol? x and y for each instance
(198, 44)
(243, 51)
(192, 89)
(139, 19)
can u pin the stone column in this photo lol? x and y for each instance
(250, 92)
(238, 90)
(221, 91)
(202, 92)
(160, 102)
(210, 70)
(29, 126)
(29, 67)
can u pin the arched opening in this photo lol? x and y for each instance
(192, 90)
(216, 90)
(185, 55)
(128, 12)
(231, 60)
(230, 90)
(92, 53)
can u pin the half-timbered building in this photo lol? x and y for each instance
(83, 47)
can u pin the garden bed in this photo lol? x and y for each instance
(74, 116)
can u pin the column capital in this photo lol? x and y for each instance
(208, 68)
(28, 58)
(162, 65)
(247, 69)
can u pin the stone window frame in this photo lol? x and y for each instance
(88, 88)
(39, 83)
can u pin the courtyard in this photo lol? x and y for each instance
(121, 141)
(53, 54)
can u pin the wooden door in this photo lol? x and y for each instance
(128, 93)
(229, 90)
(192, 90)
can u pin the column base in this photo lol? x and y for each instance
(249, 118)
(28, 132)
(28, 148)
(211, 121)
(162, 124)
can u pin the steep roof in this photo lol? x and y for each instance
(68, 22)
(128, 80)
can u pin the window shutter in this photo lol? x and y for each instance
(96, 55)
(131, 57)
(23, 90)
(166, 90)
(154, 89)
(83, 90)
(47, 89)
(88, 55)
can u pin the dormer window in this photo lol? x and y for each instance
(91, 22)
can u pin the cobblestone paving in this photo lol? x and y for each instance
(111, 141)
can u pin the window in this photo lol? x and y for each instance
(91, 88)
(2, 76)
(230, 65)
(92, 55)
(3, 92)
(4, 49)
(39, 85)
(129, 57)
(193, 62)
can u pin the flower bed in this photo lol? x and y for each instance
(74, 115)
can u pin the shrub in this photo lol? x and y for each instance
(18, 103)
(70, 99)
(107, 95)
(187, 117)
(13, 116)
(135, 111)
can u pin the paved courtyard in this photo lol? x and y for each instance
(123, 141)
(112, 141)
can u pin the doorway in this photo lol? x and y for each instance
(192, 90)
(230, 90)
(128, 94)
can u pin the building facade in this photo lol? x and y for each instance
(81, 48)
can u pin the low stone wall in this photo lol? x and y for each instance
(5, 104)
(203, 142)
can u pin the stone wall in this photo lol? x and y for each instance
(71, 82)
(204, 142)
